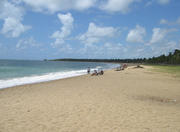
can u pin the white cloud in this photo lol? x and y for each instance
(60, 36)
(163, 2)
(12, 15)
(16, 1)
(158, 35)
(25, 43)
(66, 49)
(164, 48)
(122, 6)
(59, 5)
(171, 23)
(136, 35)
(13, 27)
(171, 45)
(106, 50)
(114, 49)
(96, 33)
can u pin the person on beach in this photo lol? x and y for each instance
(95, 73)
(101, 72)
(88, 70)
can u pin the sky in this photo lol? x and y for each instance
(51, 29)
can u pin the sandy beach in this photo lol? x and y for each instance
(119, 101)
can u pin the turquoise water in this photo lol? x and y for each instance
(18, 72)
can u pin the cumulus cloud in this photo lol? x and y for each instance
(60, 36)
(158, 35)
(13, 27)
(122, 6)
(12, 15)
(96, 33)
(59, 5)
(26, 43)
(136, 35)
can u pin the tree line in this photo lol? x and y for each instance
(171, 58)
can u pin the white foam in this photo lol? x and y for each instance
(46, 77)
(40, 78)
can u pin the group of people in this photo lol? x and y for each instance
(121, 67)
(96, 72)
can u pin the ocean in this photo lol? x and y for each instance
(19, 72)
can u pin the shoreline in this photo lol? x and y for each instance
(37, 82)
(84, 74)
(8, 83)
(136, 99)
(49, 81)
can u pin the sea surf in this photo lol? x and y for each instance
(20, 72)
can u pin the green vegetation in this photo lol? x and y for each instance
(172, 58)
(174, 70)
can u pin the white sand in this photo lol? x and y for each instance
(125, 101)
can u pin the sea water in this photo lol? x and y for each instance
(19, 72)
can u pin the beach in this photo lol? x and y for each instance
(135, 99)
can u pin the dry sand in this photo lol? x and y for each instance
(119, 101)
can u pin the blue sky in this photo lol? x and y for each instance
(88, 28)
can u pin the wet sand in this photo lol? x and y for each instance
(136, 99)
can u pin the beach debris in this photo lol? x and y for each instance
(138, 66)
(157, 99)
(174, 100)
